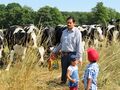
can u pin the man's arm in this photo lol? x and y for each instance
(79, 46)
(56, 49)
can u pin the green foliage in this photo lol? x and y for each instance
(49, 16)
(28, 15)
(15, 14)
(2, 15)
(100, 13)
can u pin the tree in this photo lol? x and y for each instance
(100, 13)
(14, 14)
(28, 15)
(49, 16)
(2, 15)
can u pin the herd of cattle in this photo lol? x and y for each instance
(19, 38)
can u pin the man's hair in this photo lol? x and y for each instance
(70, 17)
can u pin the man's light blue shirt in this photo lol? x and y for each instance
(91, 72)
(71, 41)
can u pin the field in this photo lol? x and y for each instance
(28, 75)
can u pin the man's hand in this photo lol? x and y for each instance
(52, 56)
(50, 59)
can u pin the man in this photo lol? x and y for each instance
(71, 44)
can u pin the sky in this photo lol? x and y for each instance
(66, 5)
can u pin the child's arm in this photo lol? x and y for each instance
(68, 76)
(88, 84)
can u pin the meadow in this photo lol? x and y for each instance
(29, 75)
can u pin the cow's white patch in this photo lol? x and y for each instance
(1, 49)
(51, 48)
(100, 33)
(115, 35)
(1, 37)
(91, 26)
(33, 35)
(19, 49)
(80, 28)
(110, 26)
(0, 53)
(31, 29)
(12, 55)
(42, 52)
(18, 29)
(83, 46)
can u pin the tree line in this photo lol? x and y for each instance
(15, 14)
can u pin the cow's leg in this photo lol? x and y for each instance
(1, 49)
(1, 55)
(11, 60)
(20, 50)
(42, 52)
(96, 43)
(24, 53)
(83, 46)
(34, 39)
(115, 36)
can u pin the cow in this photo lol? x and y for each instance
(94, 35)
(112, 33)
(51, 36)
(47, 35)
(32, 33)
(1, 47)
(19, 38)
(15, 37)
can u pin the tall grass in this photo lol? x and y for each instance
(28, 75)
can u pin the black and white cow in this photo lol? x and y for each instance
(52, 36)
(32, 32)
(1, 47)
(94, 35)
(16, 38)
(112, 33)
(19, 38)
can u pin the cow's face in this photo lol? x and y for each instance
(32, 31)
(99, 33)
(19, 35)
(96, 32)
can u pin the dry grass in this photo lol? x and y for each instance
(28, 75)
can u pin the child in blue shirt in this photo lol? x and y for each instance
(91, 71)
(72, 74)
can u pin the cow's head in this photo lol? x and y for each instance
(95, 32)
(32, 32)
(19, 36)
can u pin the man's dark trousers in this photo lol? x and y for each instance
(65, 62)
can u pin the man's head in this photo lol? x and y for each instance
(70, 22)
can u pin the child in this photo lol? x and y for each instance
(72, 74)
(92, 69)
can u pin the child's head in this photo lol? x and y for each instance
(92, 55)
(73, 60)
